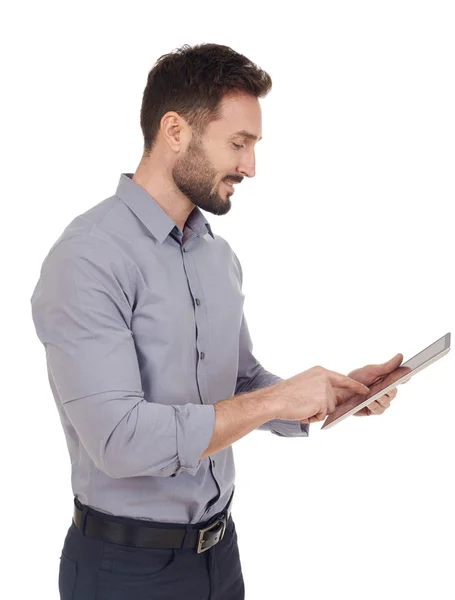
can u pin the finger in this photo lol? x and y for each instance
(320, 416)
(387, 367)
(386, 398)
(376, 408)
(363, 412)
(393, 363)
(332, 401)
(339, 380)
(384, 401)
(391, 395)
(339, 399)
(309, 420)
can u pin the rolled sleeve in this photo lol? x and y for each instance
(194, 432)
(82, 311)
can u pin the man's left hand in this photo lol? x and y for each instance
(373, 374)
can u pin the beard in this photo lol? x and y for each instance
(195, 176)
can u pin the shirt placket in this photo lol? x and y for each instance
(201, 332)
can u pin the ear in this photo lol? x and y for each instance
(174, 130)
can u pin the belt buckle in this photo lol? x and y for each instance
(217, 538)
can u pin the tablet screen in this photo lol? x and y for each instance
(410, 367)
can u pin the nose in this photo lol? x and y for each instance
(248, 165)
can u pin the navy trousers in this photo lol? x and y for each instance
(91, 569)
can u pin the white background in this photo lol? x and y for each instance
(346, 241)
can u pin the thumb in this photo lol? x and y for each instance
(390, 365)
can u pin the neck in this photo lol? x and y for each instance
(157, 181)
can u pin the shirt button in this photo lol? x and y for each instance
(198, 301)
(202, 355)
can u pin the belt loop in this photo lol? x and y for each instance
(84, 510)
(185, 537)
(84, 518)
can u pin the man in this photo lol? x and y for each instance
(140, 308)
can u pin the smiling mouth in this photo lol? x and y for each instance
(229, 186)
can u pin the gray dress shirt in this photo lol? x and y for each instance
(144, 330)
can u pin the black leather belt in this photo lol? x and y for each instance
(151, 536)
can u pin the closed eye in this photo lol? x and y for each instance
(238, 146)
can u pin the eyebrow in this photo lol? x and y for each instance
(247, 134)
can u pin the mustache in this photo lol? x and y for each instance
(233, 180)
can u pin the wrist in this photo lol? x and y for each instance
(270, 402)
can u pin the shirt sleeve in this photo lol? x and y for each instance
(252, 376)
(82, 312)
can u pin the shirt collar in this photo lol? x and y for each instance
(157, 221)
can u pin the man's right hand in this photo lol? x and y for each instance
(312, 395)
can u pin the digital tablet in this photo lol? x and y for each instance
(386, 383)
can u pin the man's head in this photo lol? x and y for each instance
(200, 110)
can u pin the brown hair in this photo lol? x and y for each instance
(192, 81)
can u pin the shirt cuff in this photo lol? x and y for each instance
(285, 428)
(195, 426)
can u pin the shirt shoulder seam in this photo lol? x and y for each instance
(89, 235)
